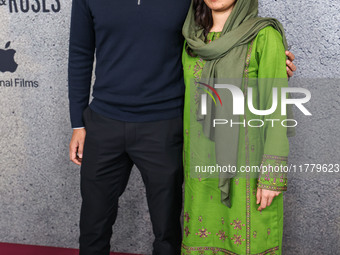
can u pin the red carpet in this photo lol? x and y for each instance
(23, 249)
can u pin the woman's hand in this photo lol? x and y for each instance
(291, 68)
(265, 197)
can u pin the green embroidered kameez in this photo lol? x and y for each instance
(210, 227)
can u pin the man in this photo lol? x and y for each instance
(135, 116)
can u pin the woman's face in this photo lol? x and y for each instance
(220, 5)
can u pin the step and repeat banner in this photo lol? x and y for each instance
(39, 186)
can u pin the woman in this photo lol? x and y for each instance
(233, 213)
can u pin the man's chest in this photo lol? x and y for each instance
(148, 15)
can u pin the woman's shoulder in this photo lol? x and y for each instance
(270, 31)
(269, 53)
(270, 34)
(270, 39)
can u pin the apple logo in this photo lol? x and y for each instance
(7, 63)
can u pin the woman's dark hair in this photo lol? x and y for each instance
(203, 18)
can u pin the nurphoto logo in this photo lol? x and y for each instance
(239, 104)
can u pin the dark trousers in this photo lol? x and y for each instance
(111, 148)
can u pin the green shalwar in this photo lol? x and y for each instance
(211, 227)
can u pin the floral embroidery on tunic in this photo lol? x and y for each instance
(268, 231)
(186, 230)
(237, 239)
(221, 235)
(254, 234)
(237, 224)
(203, 233)
(254, 191)
(215, 250)
(272, 176)
(186, 216)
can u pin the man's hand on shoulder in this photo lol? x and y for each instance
(77, 145)
(291, 68)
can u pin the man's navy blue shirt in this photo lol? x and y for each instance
(138, 74)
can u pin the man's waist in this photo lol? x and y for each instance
(135, 114)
